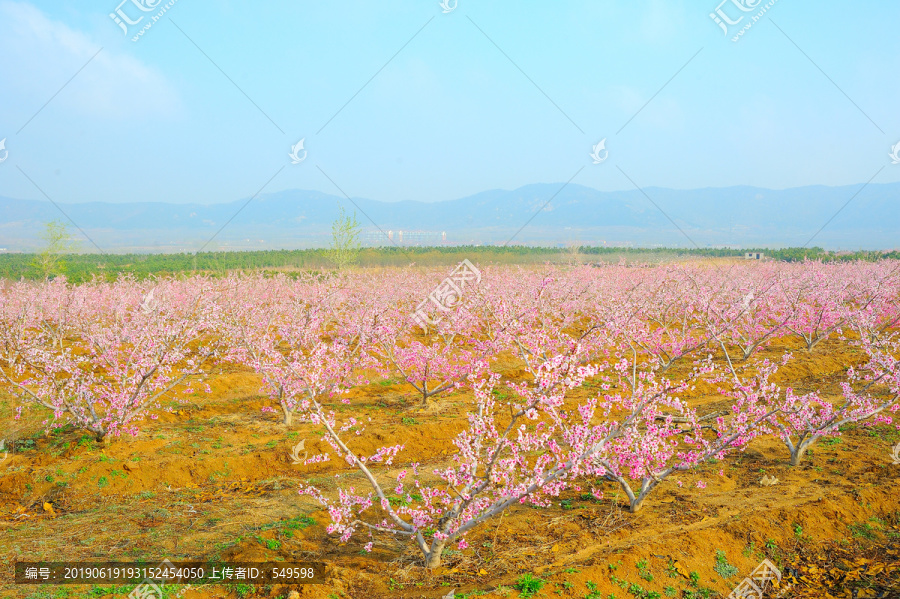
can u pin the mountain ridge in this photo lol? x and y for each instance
(545, 212)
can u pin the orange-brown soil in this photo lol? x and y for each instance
(215, 480)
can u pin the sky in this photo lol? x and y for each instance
(400, 100)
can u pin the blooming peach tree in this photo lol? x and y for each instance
(121, 357)
(521, 451)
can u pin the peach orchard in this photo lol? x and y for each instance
(103, 357)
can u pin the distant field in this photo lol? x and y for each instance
(83, 267)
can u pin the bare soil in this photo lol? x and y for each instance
(214, 480)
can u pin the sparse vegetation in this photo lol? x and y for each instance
(529, 585)
(722, 567)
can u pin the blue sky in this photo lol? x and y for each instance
(449, 115)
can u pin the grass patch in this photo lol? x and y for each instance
(862, 530)
(722, 567)
(528, 585)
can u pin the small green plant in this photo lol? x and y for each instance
(695, 579)
(499, 394)
(671, 570)
(409, 421)
(59, 450)
(528, 584)
(643, 571)
(566, 504)
(722, 567)
(300, 522)
(670, 591)
(771, 545)
(396, 500)
(571, 570)
(243, 590)
(798, 531)
(593, 593)
(102, 481)
(749, 549)
(862, 530)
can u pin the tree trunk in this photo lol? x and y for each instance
(797, 454)
(288, 415)
(636, 504)
(433, 559)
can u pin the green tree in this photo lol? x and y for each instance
(345, 245)
(57, 241)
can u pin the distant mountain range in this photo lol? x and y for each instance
(735, 216)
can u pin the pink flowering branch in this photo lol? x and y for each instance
(532, 456)
(125, 354)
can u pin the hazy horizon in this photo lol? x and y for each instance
(738, 217)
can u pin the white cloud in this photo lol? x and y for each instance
(48, 53)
